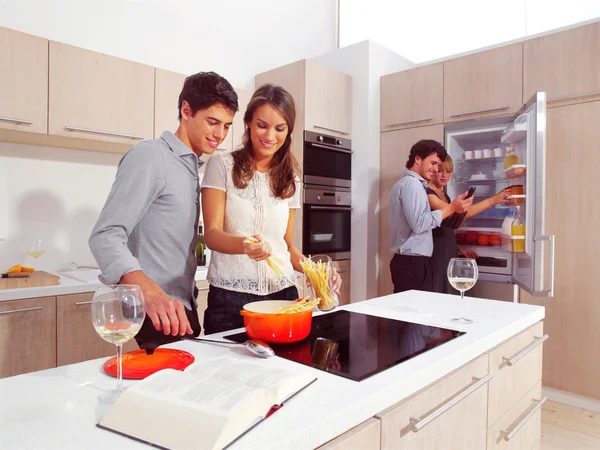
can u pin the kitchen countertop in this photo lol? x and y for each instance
(72, 282)
(58, 408)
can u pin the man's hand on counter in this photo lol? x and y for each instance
(165, 312)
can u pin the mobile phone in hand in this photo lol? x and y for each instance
(470, 192)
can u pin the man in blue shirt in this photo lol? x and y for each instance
(411, 218)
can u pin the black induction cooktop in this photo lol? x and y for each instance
(356, 346)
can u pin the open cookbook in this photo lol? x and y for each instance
(207, 406)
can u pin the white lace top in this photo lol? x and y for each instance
(253, 210)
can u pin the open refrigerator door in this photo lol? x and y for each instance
(496, 154)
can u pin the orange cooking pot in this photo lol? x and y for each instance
(261, 323)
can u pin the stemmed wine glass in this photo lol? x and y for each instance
(36, 248)
(117, 315)
(462, 275)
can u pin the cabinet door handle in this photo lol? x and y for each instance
(35, 308)
(569, 97)
(480, 111)
(406, 122)
(331, 129)
(418, 423)
(509, 434)
(105, 133)
(537, 341)
(83, 303)
(201, 289)
(17, 121)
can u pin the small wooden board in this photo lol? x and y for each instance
(37, 278)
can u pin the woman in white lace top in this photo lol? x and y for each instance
(253, 191)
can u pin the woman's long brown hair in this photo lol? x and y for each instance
(284, 167)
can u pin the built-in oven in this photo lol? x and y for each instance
(326, 219)
(327, 160)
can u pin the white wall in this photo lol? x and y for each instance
(366, 62)
(236, 38)
(432, 29)
(57, 194)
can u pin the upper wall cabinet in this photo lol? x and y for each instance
(237, 129)
(412, 98)
(167, 88)
(484, 84)
(328, 100)
(565, 65)
(23, 82)
(100, 97)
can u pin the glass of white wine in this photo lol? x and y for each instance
(117, 315)
(462, 275)
(36, 248)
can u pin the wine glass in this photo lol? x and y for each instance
(36, 248)
(117, 315)
(462, 275)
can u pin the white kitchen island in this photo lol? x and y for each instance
(58, 408)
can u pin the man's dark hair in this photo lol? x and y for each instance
(424, 148)
(204, 89)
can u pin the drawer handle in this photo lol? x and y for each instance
(509, 434)
(35, 308)
(200, 289)
(417, 423)
(105, 133)
(406, 122)
(331, 129)
(537, 341)
(480, 111)
(17, 121)
(568, 97)
(83, 303)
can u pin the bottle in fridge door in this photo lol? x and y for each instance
(518, 232)
(506, 232)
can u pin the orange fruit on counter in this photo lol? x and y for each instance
(483, 239)
(27, 269)
(17, 268)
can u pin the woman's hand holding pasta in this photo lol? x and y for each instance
(256, 248)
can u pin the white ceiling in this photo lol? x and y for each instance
(424, 30)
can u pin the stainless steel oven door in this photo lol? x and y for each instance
(326, 223)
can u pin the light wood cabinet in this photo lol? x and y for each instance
(99, 97)
(462, 426)
(343, 268)
(366, 436)
(523, 428)
(76, 338)
(484, 84)
(27, 335)
(566, 65)
(238, 127)
(328, 100)
(412, 98)
(395, 147)
(23, 82)
(512, 380)
(167, 88)
(571, 360)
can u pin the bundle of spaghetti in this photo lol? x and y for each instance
(275, 264)
(298, 306)
(318, 276)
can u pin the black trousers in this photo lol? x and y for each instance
(224, 306)
(411, 272)
(149, 338)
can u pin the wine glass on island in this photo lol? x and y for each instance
(36, 248)
(462, 275)
(117, 315)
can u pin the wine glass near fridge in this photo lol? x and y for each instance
(117, 315)
(36, 248)
(462, 275)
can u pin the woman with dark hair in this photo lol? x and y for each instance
(254, 191)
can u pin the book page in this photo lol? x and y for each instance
(280, 382)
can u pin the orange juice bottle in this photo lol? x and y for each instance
(518, 230)
(511, 158)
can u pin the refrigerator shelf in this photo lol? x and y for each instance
(483, 160)
(486, 181)
(515, 171)
(516, 132)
